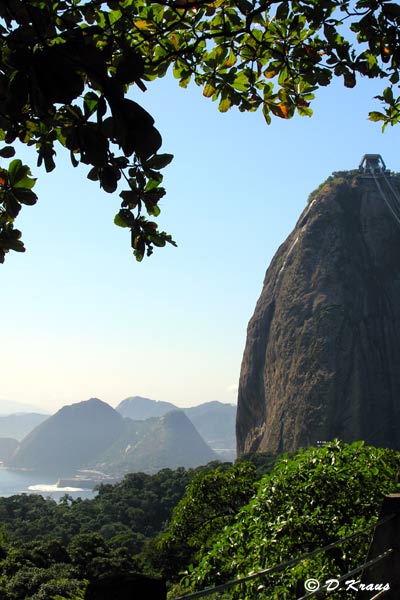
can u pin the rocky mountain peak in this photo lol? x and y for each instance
(139, 408)
(70, 437)
(322, 356)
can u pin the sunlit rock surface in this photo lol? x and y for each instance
(322, 356)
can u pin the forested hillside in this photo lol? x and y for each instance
(200, 527)
(49, 548)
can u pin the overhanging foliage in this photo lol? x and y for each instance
(66, 67)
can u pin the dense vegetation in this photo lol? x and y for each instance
(49, 547)
(66, 68)
(200, 527)
(308, 501)
(126, 513)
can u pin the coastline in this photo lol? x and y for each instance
(23, 481)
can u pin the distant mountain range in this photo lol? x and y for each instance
(93, 435)
(214, 421)
(9, 406)
(139, 408)
(18, 425)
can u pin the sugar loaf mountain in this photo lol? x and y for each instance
(322, 356)
(93, 437)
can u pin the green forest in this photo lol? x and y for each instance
(201, 527)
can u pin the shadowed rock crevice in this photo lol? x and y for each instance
(322, 356)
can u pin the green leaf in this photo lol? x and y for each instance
(133, 129)
(118, 220)
(138, 244)
(283, 76)
(93, 174)
(230, 61)
(108, 177)
(209, 90)
(159, 161)
(16, 245)
(241, 82)
(12, 206)
(153, 209)
(304, 111)
(282, 11)
(280, 110)
(152, 184)
(130, 198)
(124, 218)
(90, 102)
(158, 241)
(46, 153)
(25, 183)
(271, 71)
(25, 196)
(376, 116)
(17, 171)
(93, 145)
(266, 113)
(184, 82)
(388, 95)
(130, 67)
(224, 105)
(138, 255)
(349, 79)
(7, 152)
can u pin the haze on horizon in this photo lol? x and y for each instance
(9, 407)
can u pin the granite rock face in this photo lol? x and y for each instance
(322, 356)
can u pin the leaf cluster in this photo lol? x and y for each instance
(15, 190)
(271, 54)
(66, 67)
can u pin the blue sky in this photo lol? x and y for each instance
(81, 318)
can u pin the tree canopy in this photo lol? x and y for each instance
(316, 497)
(66, 68)
(210, 524)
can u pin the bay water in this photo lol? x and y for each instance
(26, 482)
